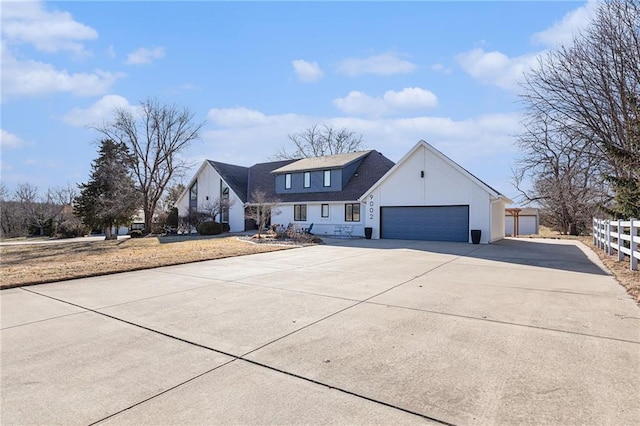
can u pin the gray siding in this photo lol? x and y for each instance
(297, 182)
(430, 223)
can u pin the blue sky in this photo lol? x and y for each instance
(445, 72)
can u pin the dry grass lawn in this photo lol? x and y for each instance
(41, 263)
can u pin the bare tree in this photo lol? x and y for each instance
(589, 90)
(261, 208)
(173, 193)
(28, 211)
(156, 137)
(12, 221)
(566, 183)
(319, 141)
(41, 211)
(216, 207)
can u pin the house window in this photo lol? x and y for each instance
(193, 198)
(307, 179)
(224, 205)
(299, 212)
(327, 178)
(352, 212)
(287, 181)
(324, 210)
(193, 192)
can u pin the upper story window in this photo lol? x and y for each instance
(307, 179)
(193, 192)
(287, 181)
(326, 181)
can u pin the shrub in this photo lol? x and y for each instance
(136, 233)
(225, 227)
(209, 228)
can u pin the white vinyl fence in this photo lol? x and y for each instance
(619, 235)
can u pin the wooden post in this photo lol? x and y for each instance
(633, 230)
(620, 242)
(607, 230)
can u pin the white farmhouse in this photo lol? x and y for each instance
(425, 196)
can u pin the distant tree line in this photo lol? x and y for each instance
(138, 163)
(581, 144)
(30, 211)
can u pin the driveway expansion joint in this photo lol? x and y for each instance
(235, 358)
(483, 318)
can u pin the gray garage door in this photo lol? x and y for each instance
(431, 223)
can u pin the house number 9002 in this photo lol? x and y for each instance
(371, 206)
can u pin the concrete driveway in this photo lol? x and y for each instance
(367, 332)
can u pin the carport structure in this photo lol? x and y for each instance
(386, 331)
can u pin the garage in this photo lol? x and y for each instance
(430, 223)
(428, 196)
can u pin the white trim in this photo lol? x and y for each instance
(195, 177)
(493, 193)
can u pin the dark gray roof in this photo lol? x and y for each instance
(324, 162)
(373, 166)
(235, 176)
(261, 179)
(245, 180)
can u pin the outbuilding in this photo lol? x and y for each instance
(521, 221)
(428, 196)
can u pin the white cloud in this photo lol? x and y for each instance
(32, 78)
(29, 22)
(111, 52)
(495, 67)
(384, 64)
(563, 31)
(241, 116)
(307, 72)
(506, 72)
(10, 141)
(468, 141)
(98, 113)
(144, 56)
(441, 68)
(408, 99)
(359, 103)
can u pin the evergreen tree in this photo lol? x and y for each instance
(109, 198)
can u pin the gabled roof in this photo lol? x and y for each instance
(261, 179)
(447, 160)
(235, 176)
(327, 162)
(372, 167)
(245, 180)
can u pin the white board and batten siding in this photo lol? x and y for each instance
(426, 178)
(209, 186)
(321, 225)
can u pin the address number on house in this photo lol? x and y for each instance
(370, 206)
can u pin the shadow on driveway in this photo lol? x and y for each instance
(554, 254)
